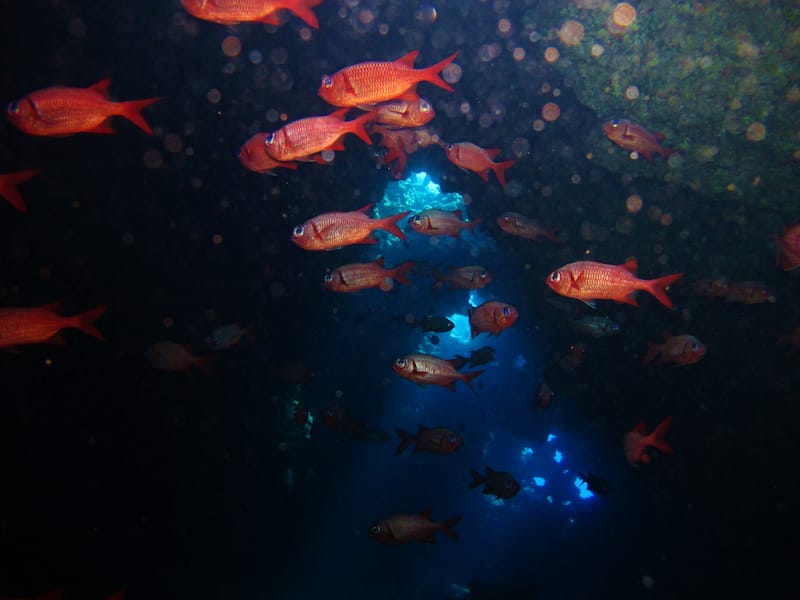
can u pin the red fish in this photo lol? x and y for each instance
(637, 440)
(677, 349)
(544, 396)
(20, 326)
(404, 113)
(491, 317)
(404, 529)
(361, 276)
(788, 257)
(470, 157)
(711, 287)
(749, 292)
(521, 226)
(253, 155)
(68, 110)
(231, 12)
(636, 138)
(439, 440)
(439, 222)
(471, 277)
(588, 281)
(169, 356)
(331, 231)
(307, 137)
(424, 369)
(8, 187)
(374, 82)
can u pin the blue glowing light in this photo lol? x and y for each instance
(526, 454)
(461, 331)
(539, 481)
(583, 488)
(558, 457)
(550, 437)
(520, 362)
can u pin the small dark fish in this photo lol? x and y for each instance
(595, 483)
(596, 326)
(499, 483)
(434, 340)
(482, 356)
(433, 323)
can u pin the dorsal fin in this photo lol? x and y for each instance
(408, 59)
(378, 261)
(631, 265)
(102, 87)
(364, 209)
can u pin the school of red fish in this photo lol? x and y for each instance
(385, 95)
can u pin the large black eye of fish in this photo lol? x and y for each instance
(449, 146)
(555, 276)
(416, 219)
(615, 123)
(484, 274)
(424, 106)
(400, 362)
(298, 231)
(375, 529)
(328, 277)
(13, 108)
(270, 138)
(452, 438)
(506, 311)
(327, 81)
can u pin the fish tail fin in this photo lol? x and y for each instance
(400, 272)
(477, 479)
(85, 321)
(356, 126)
(8, 187)
(459, 361)
(302, 10)
(656, 438)
(468, 377)
(447, 526)
(390, 224)
(500, 170)
(653, 350)
(657, 287)
(132, 110)
(431, 74)
(407, 440)
(204, 362)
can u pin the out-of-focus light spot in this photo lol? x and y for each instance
(634, 203)
(167, 322)
(558, 457)
(426, 14)
(551, 112)
(153, 159)
(383, 28)
(538, 125)
(255, 57)
(539, 481)
(48, 362)
(583, 488)
(216, 239)
(520, 362)
(566, 503)
(366, 16)
(550, 499)
(551, 54)
(503, 26)
(214, 96)
(519, 54)
(451, 73)
(231, 46)
(526, 453)
(305, 34)
(551, 437)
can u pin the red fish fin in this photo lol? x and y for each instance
(631, 265)
(458, 362)
(429, 539)
(120, 595)
(270, 19)
(390, 224)
(364, 209)
(641, 427)
(102, 87)
(132, 111)
(8, 190)
(340, 114)
(85, 321)
(500, 170)
(483, 174)
(647, 154)
(552, 235)
(656, 438)
(356, 126)
(629, 298)
(410, 95)
(407, 440)
(370, 239)
(468, 377)
(58, 339)
(657, 287)
(451, 386)
(447, 526)
(653, 350)
(431, 74)
(408, 59)
(492, 152)
(400, 271)
(477, 479)
(378, 261)
(104, 127)
(303, 11)
(204, 362)
(53, 307)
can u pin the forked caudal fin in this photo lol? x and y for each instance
(390, 224)
(657, 287)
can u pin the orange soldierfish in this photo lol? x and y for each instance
(677, 349)
(361, 276)
(334, 230)
(470, 157)
(588, 281)
(404, 529)
(521, 226)
(491, 317)
(788, 257)
(440, 222)
(20, 326)
(637, 440)
(470, 277)
(424, 369)
(436, 439)
(253, 156)
(307, 137)
(169, 356)
(231, 12)
(636, 138)
(404, 113)
(8, 187)
(67, 110)
(374, 82)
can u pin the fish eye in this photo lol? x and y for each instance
(416, 219)
(270, 138)
(694, 347)
(449, 146)
(400, 362)
(509, 485)
(13, 108)
(424, 106)
(298, 231)
(452, 438)
(375, 529)
(555, 276)
(327, 81)
(615, 123)
(328, 277)
(506, 311)
(484, 274)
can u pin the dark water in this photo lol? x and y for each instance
(182, 485)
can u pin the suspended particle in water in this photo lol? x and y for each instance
(231, 46)
(426, 14)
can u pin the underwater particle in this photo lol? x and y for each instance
(545, 88)
(520, 147)
(77, 28)
(168, 322)
(173, 143)
(631, 92)
(556, 92)
(597, 51)
(623, 17)
(451, 73)
(305, 34)
(550, 112)
(383, 29)
(551, 55)
(633, 203)
(571, 33)
(366, 16)
(214, 96)
(755, 132)
(504, 26)
(327, 155)
(575, 178)
(272, 116)
(216, 239)
(127, 239)
(153, 159)
(538, 125)
(735, 104)
(485, 120)
(465, 108)
(231, 46)
(648, 582)
(518, 54)
(666, 219)
(255, 57)
(277, 290)
(426, 14)
(706, 153)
